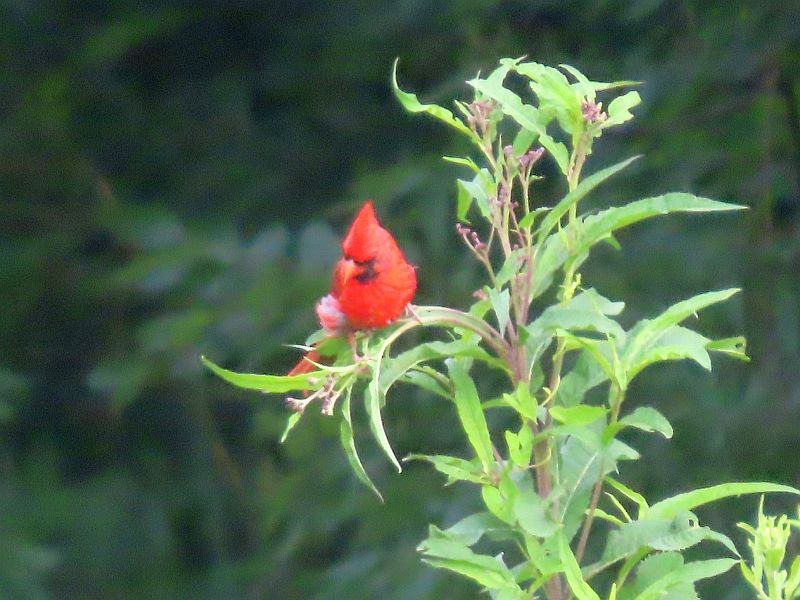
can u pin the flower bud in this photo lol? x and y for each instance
(593, 112)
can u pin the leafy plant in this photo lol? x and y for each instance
(551, 469)
(768, 542)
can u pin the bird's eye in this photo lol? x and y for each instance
(368, 272)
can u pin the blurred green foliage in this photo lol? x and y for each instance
(174, 180)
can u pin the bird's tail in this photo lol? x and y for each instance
(306, 364)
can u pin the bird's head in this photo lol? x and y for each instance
(363, 245)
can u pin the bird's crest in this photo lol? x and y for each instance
(365, 235)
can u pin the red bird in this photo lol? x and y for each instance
(372, 283)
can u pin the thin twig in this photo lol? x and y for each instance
(616, 396)
(587, 524)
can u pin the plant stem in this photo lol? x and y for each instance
(616, 396)
(587, 524)
(440, 315)
(568, 287)
(578, 158)
(554, 587)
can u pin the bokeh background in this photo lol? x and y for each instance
(175, 177)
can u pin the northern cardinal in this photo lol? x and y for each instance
(372, 284)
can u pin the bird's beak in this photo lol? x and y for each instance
(349, 270)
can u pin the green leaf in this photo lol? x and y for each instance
(690, 500)
(543, 554)
(618, 450)
(674, 343)
(521, 572)
(580, 463)
(603, 352)
(519, 449)
(332, 348)
(688, 573)
(456, 469)
(423, 377)
(582, 414)
(449, 554)
(580, 468)
(652, 340)
(591, 300)
(471, 529)
(793, 582)
(601, 86)
(645, 418)
(677, 313)
(638, 537)
(552, 253)
(599, 513)
(572, 571)
(721, 538)
(585, 312)
(597, 227)
(523, 402)
(293, 420)
(525, 115)
(411, 104)
(556, 95)
(500, 504)
(470, 412)
(585, 375)
(479, 189)
(531, 512)
(464, 162)
(520, 446)
(583, 86)
(556, 149)
(528, 219)
(392, 369)
(501, 304)
(588, 88)
(523, 141)
(536, 342)
(373, 403)
(571, 199)
(272, 384)
(686, 537)
(510, 267)
(349, 445)
(735, 347)
(650, 570)
(572, 319)
(584, 458)
(619, 109)
(630, 494)
(634, 536)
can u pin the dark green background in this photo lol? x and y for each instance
(175, 177)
